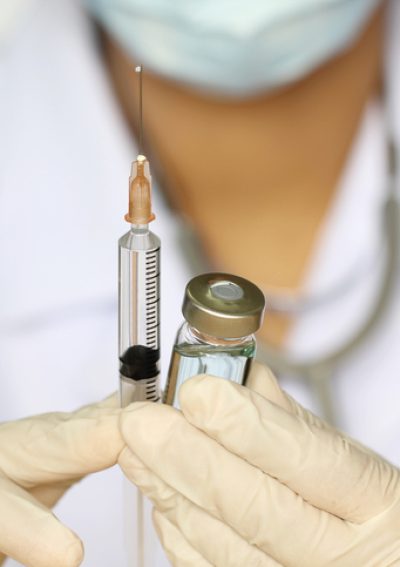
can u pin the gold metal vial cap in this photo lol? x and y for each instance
(223, 305)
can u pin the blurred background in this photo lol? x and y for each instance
(267, 126)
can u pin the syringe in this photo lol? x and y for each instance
(139, 334)
(139, 291)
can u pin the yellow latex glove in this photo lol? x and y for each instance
(40, 457)
(241, 478)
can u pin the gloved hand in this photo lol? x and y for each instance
(40, 457)
(241, 478)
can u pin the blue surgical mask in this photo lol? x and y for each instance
(233, 47)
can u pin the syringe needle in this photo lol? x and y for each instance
(139, 70)
(140, 210)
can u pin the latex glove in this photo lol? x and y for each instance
(240, 480)
(40, 457)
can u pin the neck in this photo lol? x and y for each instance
(257, 177)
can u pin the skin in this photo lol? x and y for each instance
(224, 163)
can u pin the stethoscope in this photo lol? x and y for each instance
(318, 373)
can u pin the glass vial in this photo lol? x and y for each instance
(222, 312)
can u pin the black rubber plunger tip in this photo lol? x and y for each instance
(139, 362)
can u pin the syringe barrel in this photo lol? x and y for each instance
(139, 315)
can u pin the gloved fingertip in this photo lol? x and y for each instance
(199, 390)
(195, 387)
(262, 380)
(158, 522)
(110, 401)
(136, 406)
(66, 552)
(131, 418)
(141, 421)
(133, 468)
(73, 555)
(128, 460)
(262, 372)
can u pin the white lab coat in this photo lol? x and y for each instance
(65, 156)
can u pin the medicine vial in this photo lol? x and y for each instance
(222, 312)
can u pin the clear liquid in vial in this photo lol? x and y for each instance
(231, 363)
